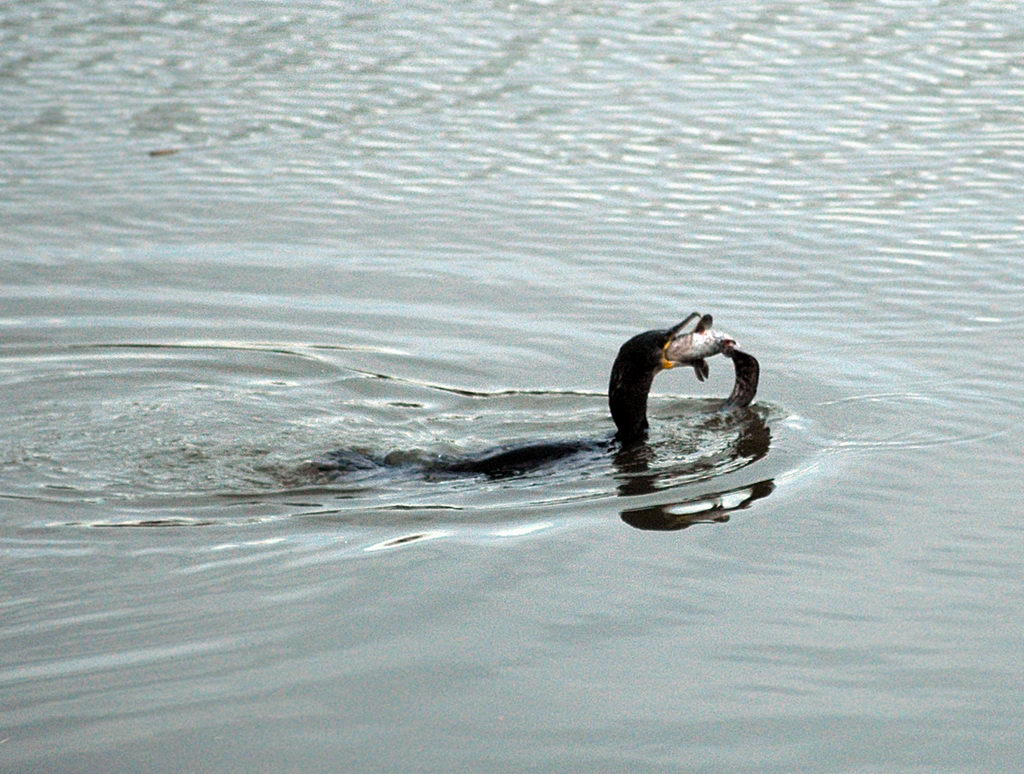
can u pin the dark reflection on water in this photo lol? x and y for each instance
(708, 508)
(750, 443)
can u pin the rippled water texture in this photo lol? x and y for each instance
(237, 236)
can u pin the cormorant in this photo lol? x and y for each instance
(639, 360)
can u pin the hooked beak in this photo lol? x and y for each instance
(677, 330)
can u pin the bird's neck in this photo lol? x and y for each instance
(627, 399)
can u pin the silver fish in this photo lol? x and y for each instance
(694, 347)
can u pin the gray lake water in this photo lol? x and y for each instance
(424, 229)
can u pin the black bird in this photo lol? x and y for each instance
(639, 360)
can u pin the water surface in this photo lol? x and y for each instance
(413, 229)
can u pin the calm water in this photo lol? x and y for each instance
(423, 229)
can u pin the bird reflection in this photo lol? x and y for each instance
(634, 466)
